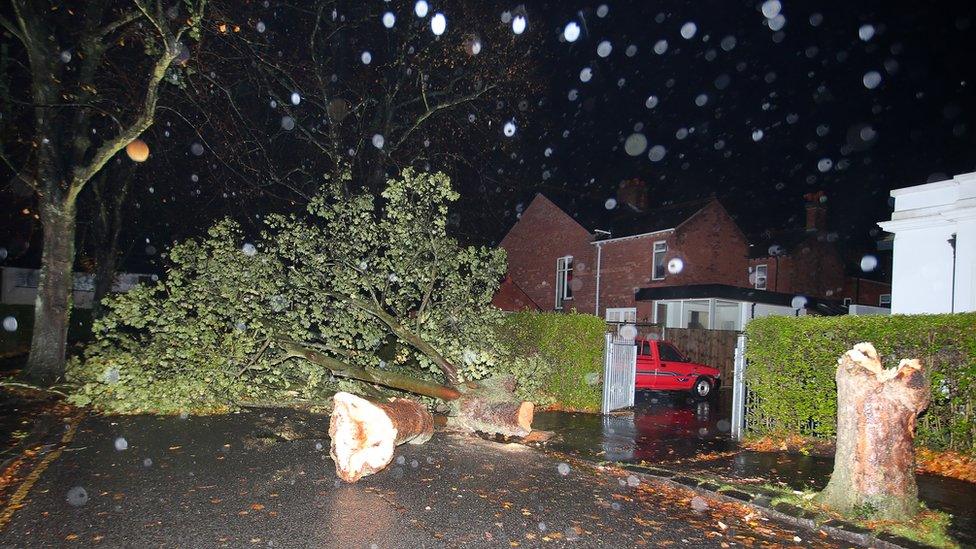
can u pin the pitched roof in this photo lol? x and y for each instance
(622, 220)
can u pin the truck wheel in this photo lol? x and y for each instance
(702, 388)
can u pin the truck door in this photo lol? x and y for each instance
(645, 366)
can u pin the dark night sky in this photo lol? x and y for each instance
(802, 87)
(854, 98)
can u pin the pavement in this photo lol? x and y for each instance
(264, 479)
(691, 437)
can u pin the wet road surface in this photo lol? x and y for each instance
(265, 480)
(676, 431)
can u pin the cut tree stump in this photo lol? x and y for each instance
(364, 433)
(874, 464)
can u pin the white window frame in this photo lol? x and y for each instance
(663, 250)
(882, 302)
(764, 276)
(627, 315)
(564, 269)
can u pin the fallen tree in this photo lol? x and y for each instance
(874, 464)
(358, 297)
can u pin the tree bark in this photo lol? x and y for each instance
(52, 307)
(491, 407)
(874, 464)
(364, 433)
(379, 377)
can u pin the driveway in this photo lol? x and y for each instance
(663, 426)
(266, 480)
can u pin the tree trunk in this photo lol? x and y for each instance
(364, 433)
(52, 307)
(874, 464)
(109, 216)
(491, 407)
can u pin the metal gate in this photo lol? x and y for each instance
(619, 369)
(739, 389)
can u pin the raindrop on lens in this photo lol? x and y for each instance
(10, 324)
(660, 47)
(604, 48)
(610, 204)
(389, 19)
(601, 11)
(825, 164)
(260, 26)
(571, 32)
(871, 80)
(249, 249)
(586, 74)
(688, 30)
(438, 24)
(563, 469)
(657, 153)
(121, 444)
(799, 302)
(509, 129)
(295, 98)
(196, 149)
(757, 135)
(676, 265)
(635, 144)
(866, 32)
(518, 24)
(77, 496)
(378, 141)
(421, 8)
(287, 123)
(651, 102)
(869, 263)
(366, 58)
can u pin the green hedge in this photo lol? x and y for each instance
(571, 345)
(792, 362)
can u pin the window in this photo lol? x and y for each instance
(761, 271)
(884, 300)
(848, 301)
(623, 314)
(644, 348)
(564, 280)
(660, 250)
(669, 353)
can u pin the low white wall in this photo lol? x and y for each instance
(866, 310)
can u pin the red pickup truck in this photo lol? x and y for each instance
(662, 367)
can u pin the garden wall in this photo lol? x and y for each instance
(792, 362)
(571, 345)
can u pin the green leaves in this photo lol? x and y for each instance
(344, 278)
(792, 362)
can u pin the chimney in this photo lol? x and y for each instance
(816, 211)
(633, 193)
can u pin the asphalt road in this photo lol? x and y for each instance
(266, 480)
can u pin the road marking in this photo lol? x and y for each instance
(32, 477)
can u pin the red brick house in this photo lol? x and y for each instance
(686, 264)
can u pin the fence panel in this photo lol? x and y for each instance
(712, 347)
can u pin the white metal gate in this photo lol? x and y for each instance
(619, 369)
(739, 389)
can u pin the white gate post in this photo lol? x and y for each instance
(739, 389)
(607, 371)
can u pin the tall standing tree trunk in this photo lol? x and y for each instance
(52, 307)
(874, 464)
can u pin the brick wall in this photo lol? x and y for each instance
(710, 246)
(543, 234)
(814, 268)
(864, 292)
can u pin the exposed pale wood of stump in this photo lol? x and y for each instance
(364, 433)
(874, 464)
